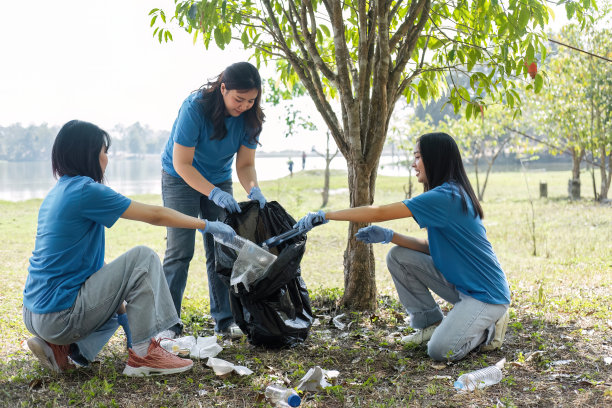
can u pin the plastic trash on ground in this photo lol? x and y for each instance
(202, 347)
(180, 345)
(280, 396)
(316, 379)
(206, 347)
(222, 367)
(480, 378)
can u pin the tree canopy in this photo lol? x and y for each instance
(357, 58)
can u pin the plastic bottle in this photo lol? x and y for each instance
(480, 378)
(237, 243)
(282, 397)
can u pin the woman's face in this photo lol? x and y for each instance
(236, 102)
(103, 158)
(418, 165)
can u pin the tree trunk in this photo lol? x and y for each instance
(574, 184)
(325, 192)
(359, 270)
(605, 178)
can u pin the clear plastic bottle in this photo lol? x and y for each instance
(237, 243)
(282, 397)
(480, 378)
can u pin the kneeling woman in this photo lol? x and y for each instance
(456, 261)
(71, 295)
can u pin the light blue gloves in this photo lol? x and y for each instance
(256, 194)
(224, 200)
(374, 234)
(310, 220)
(220, 230)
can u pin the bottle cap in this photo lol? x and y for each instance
(458, 385)
(294, 400)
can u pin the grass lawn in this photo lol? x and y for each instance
(558, 344)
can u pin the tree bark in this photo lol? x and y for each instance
(359, 265)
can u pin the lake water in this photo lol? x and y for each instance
(25, 180)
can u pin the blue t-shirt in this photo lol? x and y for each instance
(212, 158)
(69, 241)
(458, 244)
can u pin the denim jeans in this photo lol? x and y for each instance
(468, 325)
(178, 195)
(135, 277)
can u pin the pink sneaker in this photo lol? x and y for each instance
(52, 356)
(157, 362)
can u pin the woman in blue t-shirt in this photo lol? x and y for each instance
(220, 121)
(456, 261)
(71, 295)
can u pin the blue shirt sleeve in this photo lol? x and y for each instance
(102, 204)
(430, 209)
(188, 124)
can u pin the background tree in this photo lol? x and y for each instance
(328, 158)
(367, 55)
(599, 99)
(406, 127)
(482, 139)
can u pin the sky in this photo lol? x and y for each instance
(96, 60)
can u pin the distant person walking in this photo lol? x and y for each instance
(71, 295)
(303, 161)
(215, 124)
(290, 164)
(456, 261)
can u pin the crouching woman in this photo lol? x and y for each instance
(71, 295)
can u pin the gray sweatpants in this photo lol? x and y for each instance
(470, 322)
(135, 277)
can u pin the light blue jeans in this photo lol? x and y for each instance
(135, 277)
(178, 195)
(469, 324)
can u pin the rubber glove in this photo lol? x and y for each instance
(220, 230)
(374, 234)
(305, 224)
(123, 321)
(256, 194)
(224, 200)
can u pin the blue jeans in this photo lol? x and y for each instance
(468, 325)
(178, 195)
(135, 277)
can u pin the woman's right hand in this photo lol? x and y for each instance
(219, 230)
(224, 200)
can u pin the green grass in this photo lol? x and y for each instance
(561, 308)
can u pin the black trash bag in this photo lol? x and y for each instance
(275, 312)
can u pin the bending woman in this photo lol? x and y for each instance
(456, 261)
(221, 120)
(71, 296)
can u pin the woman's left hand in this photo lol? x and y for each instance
(374, 234)
(256, 194)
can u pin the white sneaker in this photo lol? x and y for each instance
(500, 333)
(421, 336)
(232, 332)
(166, 334)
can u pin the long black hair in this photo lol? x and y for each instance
(443, 163)
(76, 150)
(241, 76)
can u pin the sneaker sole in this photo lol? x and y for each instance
(148, 371)
(43, 352)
